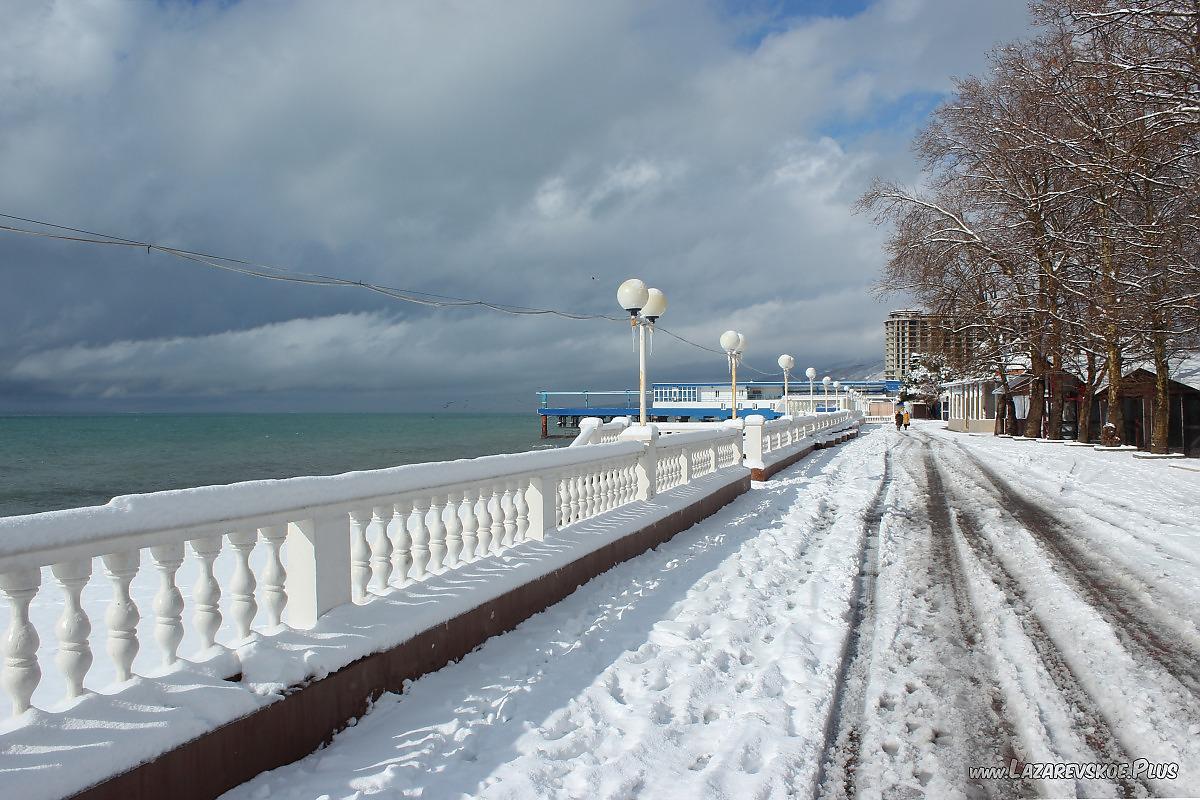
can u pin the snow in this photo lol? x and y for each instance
(879, 618)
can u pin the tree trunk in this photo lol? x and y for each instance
(1033, 419)
(1054, 421)
(1083, 423)
(1010, 412)
(1114, 423)
(1037, 396)
(1087, 389)
(1162, 396)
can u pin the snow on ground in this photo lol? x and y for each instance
(875, 621)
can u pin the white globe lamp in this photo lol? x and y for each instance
(655, 305)
(633, 296)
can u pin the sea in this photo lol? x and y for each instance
(55, 462)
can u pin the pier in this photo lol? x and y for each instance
(712, 401)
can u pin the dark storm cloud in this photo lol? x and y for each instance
(529, 152)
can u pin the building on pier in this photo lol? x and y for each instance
(708, 401)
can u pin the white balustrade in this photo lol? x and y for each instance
(593, 430)
(241, 588)
(21, 671)
(345, 540)
(168, 601)
(401, 535)
(74, 627)
(274, 575)
(454, 528)
(768, 442)
(381, 546)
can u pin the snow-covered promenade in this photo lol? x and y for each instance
(874, 622)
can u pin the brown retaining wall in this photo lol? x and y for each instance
(309, 716)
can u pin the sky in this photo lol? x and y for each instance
(529, 152)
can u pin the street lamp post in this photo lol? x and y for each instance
(786, 363)
(645, 306)
(826, 380)
(733, 343)
(811, 374)
(837, 393)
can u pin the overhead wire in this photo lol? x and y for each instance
(269, 272)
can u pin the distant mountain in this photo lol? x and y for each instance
(856, 371)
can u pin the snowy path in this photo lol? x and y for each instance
(881, 617)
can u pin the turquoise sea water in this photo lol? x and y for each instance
(52, 462)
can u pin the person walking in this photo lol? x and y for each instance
(899, 418)
(907, 418)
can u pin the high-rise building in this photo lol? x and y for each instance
(909, 332)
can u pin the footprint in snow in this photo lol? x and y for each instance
(661, 712)
(559, 726)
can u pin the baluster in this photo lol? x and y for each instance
(168, 601)
(454, 526)
(74, 652)
(597, 480)
(420, 539)
(581, 487)
(496, 509)
(360, 554)
(274, 575)
(381, 547)
(241, 587)
(572, 511)
(122, 617)
(402, 543)
(470, 537)
(485, 521)
(21, 671)
(437, 536)
(522, 507)
(206, 594)
(602, 496)
(564, 502)
(597, 489)
(510, 514)
(585, 493)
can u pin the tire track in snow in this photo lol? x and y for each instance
(840, 752)
(1087, 720)
(993, 739)
(1130, 617)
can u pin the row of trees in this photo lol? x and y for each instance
(1057, 224)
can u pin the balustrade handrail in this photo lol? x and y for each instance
(203, 510)
(593, 430)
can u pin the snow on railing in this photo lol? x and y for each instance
(765, 441)
(301, 547)
(593, 430)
